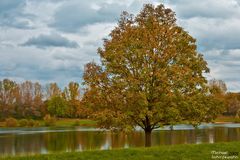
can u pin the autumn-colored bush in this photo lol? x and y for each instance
(31, 123)
(23, 123)
(11, 122)
(49, 121)
(36, 124)
(28, 123)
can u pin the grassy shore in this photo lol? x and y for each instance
(178, 152)
(68, 122)
(63, 122)
(227, 119)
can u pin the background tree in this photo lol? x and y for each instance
(8, 92)
(57, 106)
(37, 100)
(151, 75)
(53, 90)
(72, 96)
(218, 90)
(72, 92)
(217, 87)
(29, 100)
(232, 101)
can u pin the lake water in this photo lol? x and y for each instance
(44, 140)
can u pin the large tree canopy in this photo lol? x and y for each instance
(151, 75)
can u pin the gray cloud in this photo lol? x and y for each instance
(205, 8)
(224, 65)
(214, 23)
(72, 16)
(214, 33)
(12, 14)
(39, 65)
(52, 40)
(10, 5)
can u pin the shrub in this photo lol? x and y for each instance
(11, 122)
(49, 121)
(23, 123)
(31, 123)
(36, 124)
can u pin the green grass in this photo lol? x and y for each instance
(65, 122)
(226, 119)
(175, 152)
(71, 122)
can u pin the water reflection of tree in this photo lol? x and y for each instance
(136, 139)
(7, 145)
(31, 142)
(224, 134)
(233, 134)
(57, 141)
(220, 134)
(18, 144)
(74, 141)
(89, 140)
(170, 137)
(125, 140)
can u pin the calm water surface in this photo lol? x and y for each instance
(46, 140)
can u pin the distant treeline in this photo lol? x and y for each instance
(32, 100)
(231, 100)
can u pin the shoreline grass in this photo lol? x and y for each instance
(178, 152)
(227, 119)
(64, 122)
(61, 122)
(69, 122)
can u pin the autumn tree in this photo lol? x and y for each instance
(218, 90)
(232, 103)
(57, 106)
(150, 75)
(217, 86)
(71, 94)
(8, 92)
(29, 99)
(53, 90)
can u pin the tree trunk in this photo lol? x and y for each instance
(148, 138)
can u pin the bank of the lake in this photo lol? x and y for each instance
(186, 152)
(60, 122)
(227, 119)
(68, 122)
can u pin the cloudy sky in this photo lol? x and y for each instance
(51, 40)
